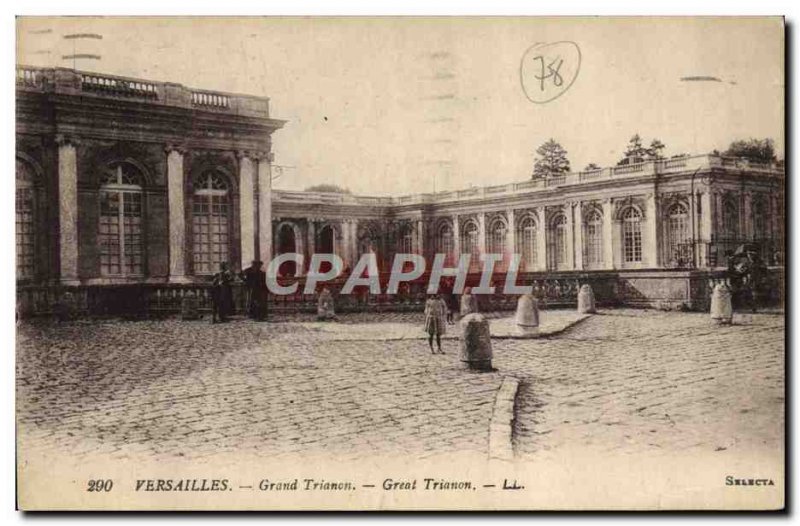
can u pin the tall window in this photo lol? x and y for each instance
(210, 222)
(632, 235)
(526, 235)
(444, 242)
(497, 239)
(470, 243)
(406, 245)
(557, 245)
(593, 240)
(730, 219)
(761, 218)
(677, 234)
(25, 223)
(121, 251)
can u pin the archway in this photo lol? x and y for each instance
(287, 244)
(326, 240)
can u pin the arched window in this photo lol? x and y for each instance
(406, 241)
(730, 219)
(444, 242)
(25, 222)
(367, 241)
(593, 240)
(526, 235)
(631, 236)
(120, 237)
(557, 243)
(287, 244)
(761, 218)
(498, 233)
(470, 242)
(210, 221)
(677, 234)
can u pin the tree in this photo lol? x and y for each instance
(591, 166)
(756, 150)
(637, 153)
(329, 188)
(552, 160)
(654, 153)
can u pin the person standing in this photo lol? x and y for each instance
(435, 321)
(222, 294)
(450, 300)
(255, 282)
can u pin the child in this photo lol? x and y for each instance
(435, 321)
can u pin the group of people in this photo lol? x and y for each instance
(255, 284)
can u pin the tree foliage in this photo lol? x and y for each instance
(756, 150)
(637, 153)
(329, 188)
(552, 160)
(591, 166)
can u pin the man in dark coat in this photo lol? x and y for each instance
(255, 282)
(222, 294)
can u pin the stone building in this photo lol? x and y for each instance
(132, 188)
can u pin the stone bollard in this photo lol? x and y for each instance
(325, 306)
(469, 303)
(721, 305)
(527, 317)
(476, 343)
(190, 307)
(586, 300)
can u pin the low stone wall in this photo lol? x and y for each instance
(663, 289)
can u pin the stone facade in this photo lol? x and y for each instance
(124, 181)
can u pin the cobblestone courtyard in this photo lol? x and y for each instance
(620, 381)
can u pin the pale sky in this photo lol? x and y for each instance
(394, 106)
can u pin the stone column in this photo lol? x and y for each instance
(420, 237)
(570, 208)
(456, 237)
(247, 197)
(651, 242)
(608, 234)
(312, 238)
(511, 238)
(747, 209)
(265, 208)
(541, 239)
(68, 208)
(578, 236)
(177, 214)
(706, 227)
(482, 244)
(353, 242)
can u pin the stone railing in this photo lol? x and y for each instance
(638, 288)
(646, 169)
(214, 100)
(117, 86)
(72, 82)
(29, 77)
